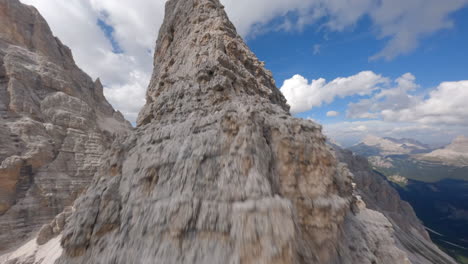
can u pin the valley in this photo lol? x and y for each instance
(424, 171)
(443, 208)
(433, 181)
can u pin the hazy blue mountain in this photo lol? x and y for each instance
(433, 181)
(378, 146)
(411, 159)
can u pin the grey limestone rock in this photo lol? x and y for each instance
(218, 171)
(52, 125)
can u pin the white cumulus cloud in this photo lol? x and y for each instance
(302, 96)
(333, 113)
(394, 97)
(446, 105)
(396, 108)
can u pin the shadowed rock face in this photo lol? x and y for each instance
(54, 124)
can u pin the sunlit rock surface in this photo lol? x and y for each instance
(218, 171)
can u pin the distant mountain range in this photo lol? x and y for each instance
(433, 181)
(408, 158)
(455, 154)
(373, 145)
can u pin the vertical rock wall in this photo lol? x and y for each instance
(54, 124)
(218, 171)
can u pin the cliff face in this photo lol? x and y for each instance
(54, 124)
(378, 195)
(218, 171)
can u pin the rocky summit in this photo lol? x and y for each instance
(54, 125)
(219, 172)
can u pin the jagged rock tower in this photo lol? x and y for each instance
(54, 125)
(218, 171)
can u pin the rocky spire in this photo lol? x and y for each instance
(202, 64)
(218, 171)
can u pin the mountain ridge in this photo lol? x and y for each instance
(218, 171)
(373, 145)
(54, 124)
(455, 154)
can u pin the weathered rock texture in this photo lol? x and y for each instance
(218, 171)
(54, 124)
(410, 234)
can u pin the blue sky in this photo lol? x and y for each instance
(441, 57)
(392, 67)
(108, 31)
